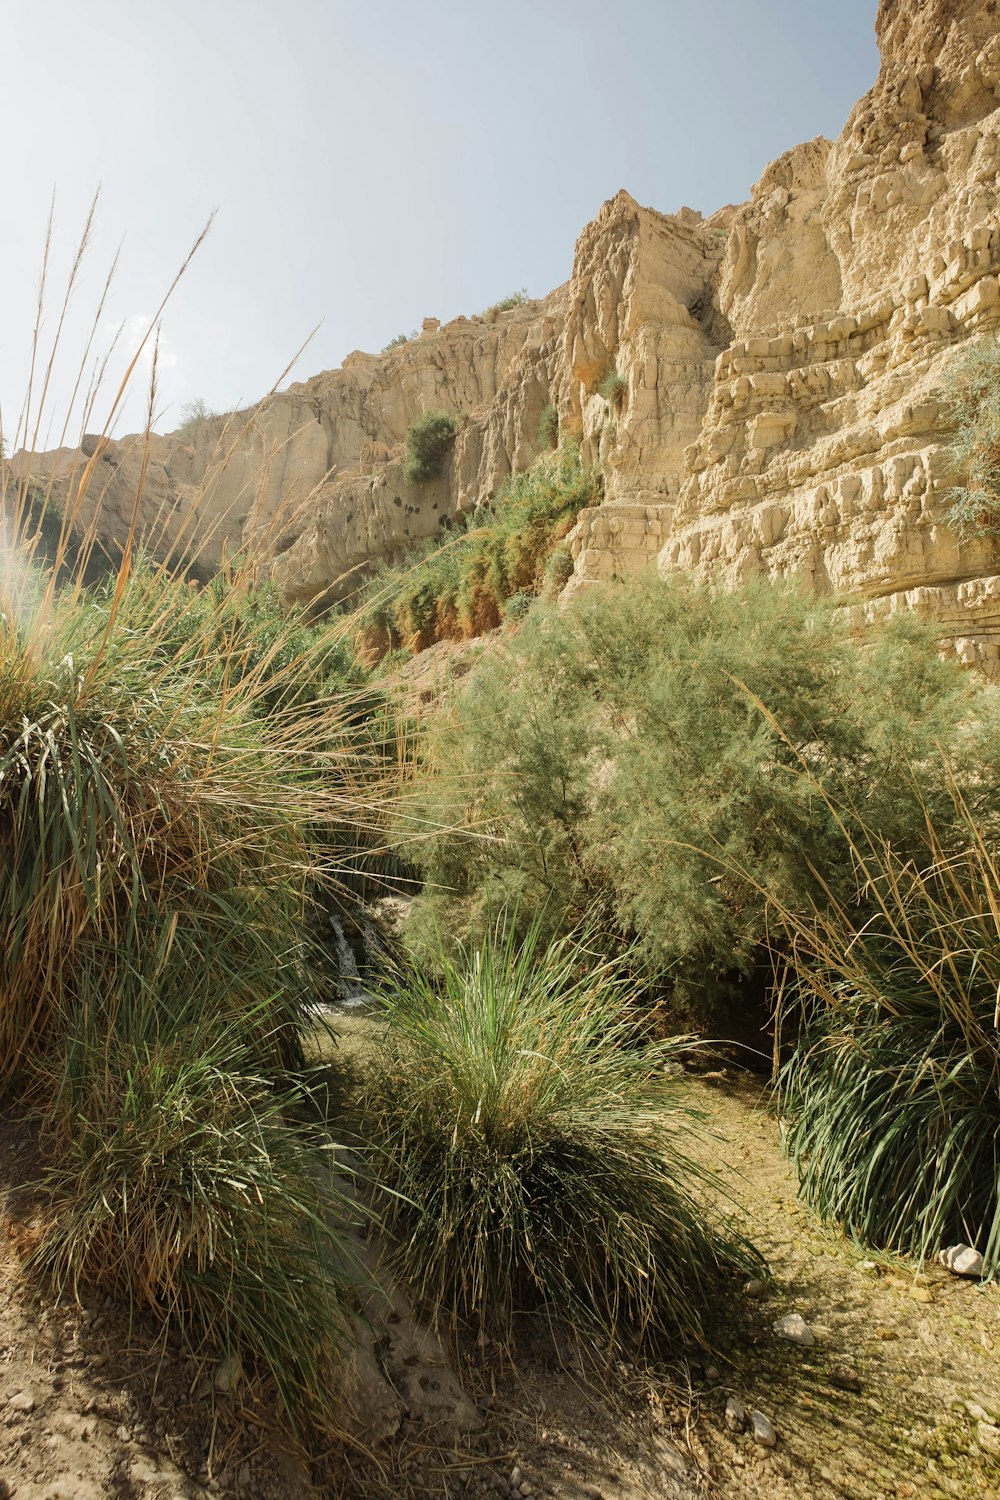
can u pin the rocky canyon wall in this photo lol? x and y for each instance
(761, 388)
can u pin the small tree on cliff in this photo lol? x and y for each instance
(427, 441)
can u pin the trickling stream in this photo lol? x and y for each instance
(352, 992)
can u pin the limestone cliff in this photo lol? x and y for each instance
(761, 388)
(848, 282)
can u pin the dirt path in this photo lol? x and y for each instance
(925, 1350)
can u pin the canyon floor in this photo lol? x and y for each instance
(897, 1397)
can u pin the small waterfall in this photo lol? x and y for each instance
(352, 991)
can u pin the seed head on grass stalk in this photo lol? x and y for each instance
(534, 1146)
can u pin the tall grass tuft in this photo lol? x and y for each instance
(973, 405)
(182, 1183)
(183, 772)
(534, 1146)
(163, 778)
(892, 1092)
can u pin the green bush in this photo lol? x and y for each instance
(516, 299)
(614, 761)
(892, 1093)
(972, 390)
(535, 1150)
(548, 428)
(559, 569)
(428, 439)
(517, 606)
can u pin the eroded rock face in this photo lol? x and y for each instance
(850, 280)
(760, 388)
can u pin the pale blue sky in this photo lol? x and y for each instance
(376, 163)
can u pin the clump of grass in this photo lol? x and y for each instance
(182, 1184)
(972, 392)
(892, 1093)
(428, 440)
(533, 1144)
(458, 588)
(161, 863)
(613, 387)
(548, 427)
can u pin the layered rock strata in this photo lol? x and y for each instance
(761, 389)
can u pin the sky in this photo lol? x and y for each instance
(368, 164)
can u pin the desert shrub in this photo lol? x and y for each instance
(972, 391)
(534, 1146)
(458, 588)
(517, 606)
(193, 415)
(428, 439)
(516, 299)
(615, 761)
(559, 568)
(401, 338)
(892, 1091)
(548, 428)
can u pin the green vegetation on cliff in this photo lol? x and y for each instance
(972, 391)
(428, 439)
(459, 587)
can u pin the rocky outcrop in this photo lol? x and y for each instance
(849, 281)
(761, 388)
(314, 474)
